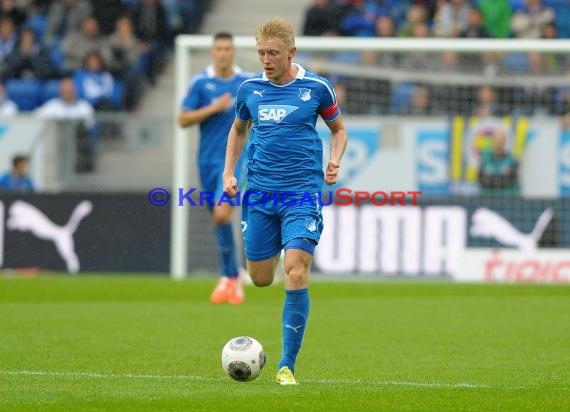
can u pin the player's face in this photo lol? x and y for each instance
(223, 53)
(276, 59)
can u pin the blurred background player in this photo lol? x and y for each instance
(209, 102)
(282, 106)
(17, 180)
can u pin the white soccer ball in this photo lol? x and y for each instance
(243, 358)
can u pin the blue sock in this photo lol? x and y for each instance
(226, 248)
(295, 315)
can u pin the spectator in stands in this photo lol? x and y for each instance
(69, 107)
(18, 179)
(420, 104)
(360, 19)
(321, 19)
(496, 17)
(95, 84)
(17, 14)
(126, 60)
(451, 18)
(474, 27)
(554, 62)
(65, 16)
(449, 61)
(486, 102)
(420, 59)
(107, 13)
(76, 45)
(8, 40)
(498, 170)
(7, 106)
(29, 60)
(530, 22)
(416, 15)
(385, 27)
(151, 27)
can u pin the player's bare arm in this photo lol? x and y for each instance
(236, 142)
(339, 140)
(188, 118)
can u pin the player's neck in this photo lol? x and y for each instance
(224, 73)
(288, 76)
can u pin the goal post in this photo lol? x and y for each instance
(191, 55)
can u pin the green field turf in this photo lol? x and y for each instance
(147, 344)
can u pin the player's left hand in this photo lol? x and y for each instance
(331, 173)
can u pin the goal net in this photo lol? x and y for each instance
(424, 115)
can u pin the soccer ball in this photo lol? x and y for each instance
(243, 358)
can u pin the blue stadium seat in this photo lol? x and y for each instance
(118, 93)
(50, 89)
(25, 93)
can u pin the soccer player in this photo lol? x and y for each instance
(210, 102)
(280, 209)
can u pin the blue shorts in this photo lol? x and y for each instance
(213, 181)
(271, 220)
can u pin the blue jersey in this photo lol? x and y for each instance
(285, 152)
(11, 183)
(204, 89)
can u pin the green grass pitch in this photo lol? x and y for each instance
(147, 344)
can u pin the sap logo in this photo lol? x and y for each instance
(274, 114)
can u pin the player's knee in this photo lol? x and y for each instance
(221, 220)
(261, 282)
(296, 274)
(222, 217)
(261, 274)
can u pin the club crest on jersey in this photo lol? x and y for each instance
(274, 113)
(304, 94)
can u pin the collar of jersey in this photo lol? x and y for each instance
(211, 73)
(300, 75)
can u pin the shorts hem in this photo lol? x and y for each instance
(262, 256)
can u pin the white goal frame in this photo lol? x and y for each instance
(183, 73)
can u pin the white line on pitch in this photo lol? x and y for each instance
(95, 375)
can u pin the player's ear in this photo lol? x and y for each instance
(292, 52)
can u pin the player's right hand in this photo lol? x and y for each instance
(224, 102)
(230, 186)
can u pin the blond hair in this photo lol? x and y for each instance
(276, 28)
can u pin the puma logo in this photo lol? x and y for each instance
(259, 92)
(488, 223)
(294, 328)
(28, 218)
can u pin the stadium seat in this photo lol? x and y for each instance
(118, 92)
(25, 93)
(50, 89)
